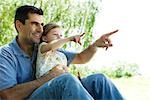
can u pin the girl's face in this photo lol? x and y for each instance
(53, 34)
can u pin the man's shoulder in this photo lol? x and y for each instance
(5, 49)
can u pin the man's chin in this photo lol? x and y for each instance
(36, 41)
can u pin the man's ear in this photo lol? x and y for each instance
(18, 25)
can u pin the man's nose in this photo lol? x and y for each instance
(40, 28)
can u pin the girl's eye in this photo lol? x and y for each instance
(55, 34)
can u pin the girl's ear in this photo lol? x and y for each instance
(44, 38)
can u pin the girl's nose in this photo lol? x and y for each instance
(59, 36)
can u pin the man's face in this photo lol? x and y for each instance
(31, 31)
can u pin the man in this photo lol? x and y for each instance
(17, 66)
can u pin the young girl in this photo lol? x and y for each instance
(48, 54)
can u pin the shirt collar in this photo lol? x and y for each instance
(17, 50)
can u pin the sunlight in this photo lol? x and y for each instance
(131, 42)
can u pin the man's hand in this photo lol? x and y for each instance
(104, 41)
(57, 70)
(60, 69)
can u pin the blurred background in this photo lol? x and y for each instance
(126, 63)
(131, 43)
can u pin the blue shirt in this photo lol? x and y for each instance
(17, 67)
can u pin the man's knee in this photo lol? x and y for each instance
(98, 76)
(64, 79)
(69, 78)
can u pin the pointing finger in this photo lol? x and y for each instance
(82, 34)
(110, 33)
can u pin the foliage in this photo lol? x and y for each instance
(6, 21)
(83, 70)
(73, 15)
(121, 69)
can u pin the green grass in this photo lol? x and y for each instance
(134, 88)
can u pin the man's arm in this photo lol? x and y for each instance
(87, 54)
(24, 90)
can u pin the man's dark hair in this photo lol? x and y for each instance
(23, 12)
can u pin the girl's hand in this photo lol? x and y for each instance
(77, 38)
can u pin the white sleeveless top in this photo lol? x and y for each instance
(46, 61)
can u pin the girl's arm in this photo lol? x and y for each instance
(59, 43)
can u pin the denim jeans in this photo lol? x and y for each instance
(68, 87)
(101, 88)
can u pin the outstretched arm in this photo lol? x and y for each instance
(60, 42)
(103, 42)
